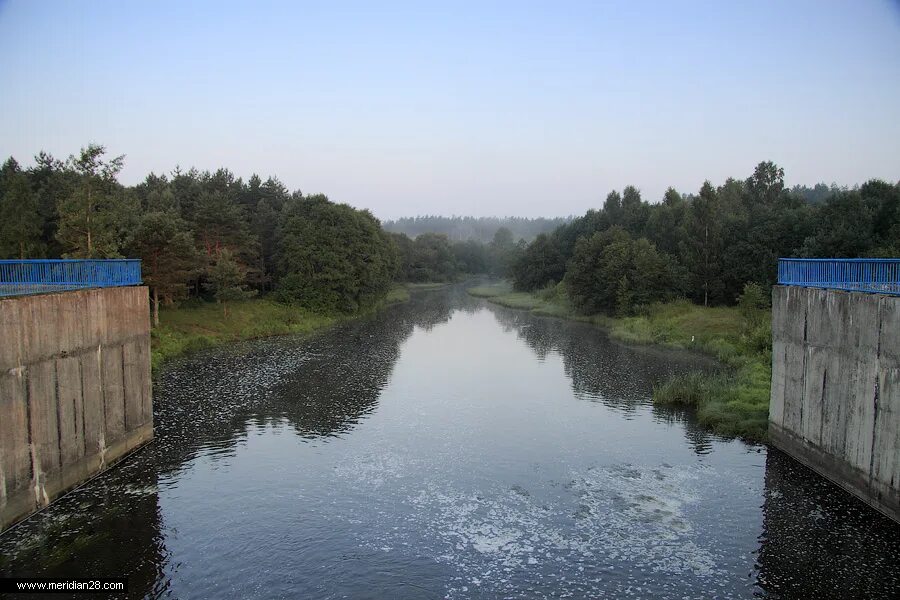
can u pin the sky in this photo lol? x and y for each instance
(481, 108)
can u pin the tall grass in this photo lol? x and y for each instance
(195, 325)
(736, 404)
(492, 290)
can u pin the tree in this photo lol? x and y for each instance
(665, 223)
(565, 236)
(613, 273)
(156, 194)
(471, 256)
(275, 193)
(672, 197)
(21, 223)
(703, 243)
(503, 252)
(477, 229)
(219, 223)
(332, 257)
(51, 181)
(654, 276)
(226, 280)
(761, 222)
(404, 246)
(541, 264)
(169, 258)
(845, 228)
(264, 222)
(90, 216)
(766, 185)
(612, 208)
(594, 276)
(432, 259)
(883, 203)
(186, 188)
(634, 211)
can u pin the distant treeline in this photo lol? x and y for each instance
(707, 246)
(433, 257)
(478, 229)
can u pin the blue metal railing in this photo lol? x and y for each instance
(873, 275)
(20, 277)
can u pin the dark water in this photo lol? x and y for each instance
(448, 448)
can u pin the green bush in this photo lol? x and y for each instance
(549, 292)
(691, 389)
(752, 304)
(759, 339)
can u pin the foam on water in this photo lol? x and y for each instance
(610, 527)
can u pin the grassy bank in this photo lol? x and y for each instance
(549, 302)
(196, 325)
(734, 403)
(436, 285)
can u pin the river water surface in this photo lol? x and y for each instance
(448, 448)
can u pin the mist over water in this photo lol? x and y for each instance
(448, 448)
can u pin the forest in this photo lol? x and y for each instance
(706, 247)
(202, 234)
(212, 235)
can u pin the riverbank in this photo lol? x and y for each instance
(196, 325)
(733, 403)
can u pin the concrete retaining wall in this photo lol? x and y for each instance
(835, 402)
(75, 391)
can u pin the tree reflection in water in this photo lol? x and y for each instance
(247, 477)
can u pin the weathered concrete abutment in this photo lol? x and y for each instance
(75, 391)
(835, 402)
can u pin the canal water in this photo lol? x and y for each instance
(449, 448)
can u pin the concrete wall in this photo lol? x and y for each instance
(75, 390)
(835, 402)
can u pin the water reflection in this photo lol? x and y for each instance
(322, 385)
(600, 369)
(342, 376)
(109, 529)
(698, 437)
(206, 405)
(818, 541)
(424, 452)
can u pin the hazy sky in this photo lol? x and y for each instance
(460, 108)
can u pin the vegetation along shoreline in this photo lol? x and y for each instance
(197, 325)
(733, 402)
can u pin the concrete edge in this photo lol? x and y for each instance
(837, 471)
(23, 504)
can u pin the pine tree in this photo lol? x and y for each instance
(90, 215)
(21, 223)
(169, 258)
